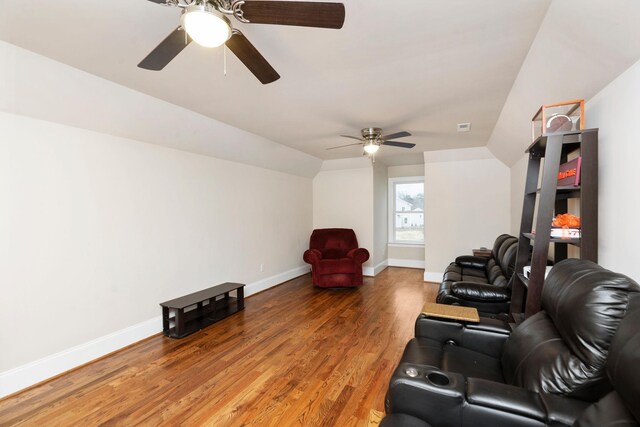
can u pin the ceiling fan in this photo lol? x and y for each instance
(206, 23)
(372, 139)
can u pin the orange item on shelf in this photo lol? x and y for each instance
(566, 221)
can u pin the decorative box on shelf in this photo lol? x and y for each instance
(559, 117)
(569, 173)
(565, 233)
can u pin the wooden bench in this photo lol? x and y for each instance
(190, 313)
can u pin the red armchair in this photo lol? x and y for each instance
(335, 258)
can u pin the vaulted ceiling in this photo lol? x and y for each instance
(421, 66)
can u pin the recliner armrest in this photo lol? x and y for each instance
(480, 292)
(426, 393)
(470, 261)
(505, 398)
(312, 256)
(359, 255)
(492, 403)
(487, 337)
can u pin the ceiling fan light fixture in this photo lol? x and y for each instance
(371, 147)
(205, 25)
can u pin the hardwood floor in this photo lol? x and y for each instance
(296, 355)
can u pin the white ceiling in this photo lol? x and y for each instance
(416, 65)
(581, 46)
(420, 66)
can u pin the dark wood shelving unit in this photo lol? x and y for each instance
(188, 314)
(551, 200)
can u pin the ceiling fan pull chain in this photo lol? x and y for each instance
(224, 56)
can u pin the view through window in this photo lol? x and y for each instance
(408, 211)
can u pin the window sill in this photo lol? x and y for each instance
(406, 245)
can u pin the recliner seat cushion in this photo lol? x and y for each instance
(337, 265)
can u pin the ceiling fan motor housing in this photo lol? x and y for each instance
(371, 133)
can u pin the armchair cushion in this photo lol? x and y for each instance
(472, 291)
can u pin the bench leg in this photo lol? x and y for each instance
(179, 322)
(240, 298)
(165, 320)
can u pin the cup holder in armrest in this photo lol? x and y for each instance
(438, 378)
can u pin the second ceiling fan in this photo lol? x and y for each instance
(206, 23)
(372, 139)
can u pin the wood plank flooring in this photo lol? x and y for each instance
(296, 356)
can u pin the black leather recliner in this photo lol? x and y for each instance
(546, 373)
(484, 283)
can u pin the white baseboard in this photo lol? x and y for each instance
(373, 271)
(430, 276)
(409, 263)
(380, 267)
(32, 373)
(269, 282)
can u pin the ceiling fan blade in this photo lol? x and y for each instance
(395, 135)
(168, 49)
(352, 137)
(399, 144)
(251, 58)
(162, 2)
(299, 13)
(342, 146)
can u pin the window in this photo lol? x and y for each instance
(406, 205)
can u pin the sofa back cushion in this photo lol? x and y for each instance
(507, 258)
(500, 269)
(333, 242)
(563, 349)
(624, 358)
(620, 407)
(498, 243)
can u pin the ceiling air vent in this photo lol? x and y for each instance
(464, 127)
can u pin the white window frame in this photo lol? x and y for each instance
(392, 208)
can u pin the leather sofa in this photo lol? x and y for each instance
(335, 258)
(548, 372)
(484, 283)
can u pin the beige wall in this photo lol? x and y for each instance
(399, 253)
(344, 198)
(100, 221)
(614, 110)
(98, 230)
(518, 174)
(380, 216)
(468, 205)
(406, 170)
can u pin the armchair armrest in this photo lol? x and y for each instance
(312, 256)
(359, 255)
(480, 292)
(487, 337)
(469, 261)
